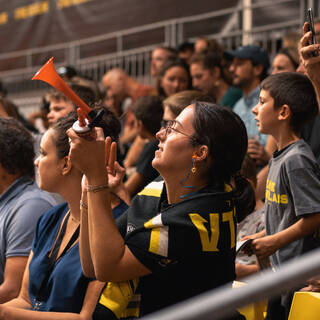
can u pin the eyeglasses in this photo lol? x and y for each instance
(164, 123)
(169, 127)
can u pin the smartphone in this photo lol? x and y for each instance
(310, 20)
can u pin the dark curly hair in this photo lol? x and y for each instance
(16, 148)
(109, 123)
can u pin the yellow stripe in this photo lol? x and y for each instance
(154, 240)
(148, 224)
(131, 312)
(150, 192)
(116, 296)
(227, 188)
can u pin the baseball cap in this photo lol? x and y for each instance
(254, 53)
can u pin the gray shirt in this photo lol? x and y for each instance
(21, 205)
(293, 191)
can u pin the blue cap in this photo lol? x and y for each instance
(254, 53)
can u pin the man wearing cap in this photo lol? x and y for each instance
(249, 67)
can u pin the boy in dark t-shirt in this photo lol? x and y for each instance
(148, 112)
(292, 200)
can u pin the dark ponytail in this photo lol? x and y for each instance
(244, 197)
(225, 134)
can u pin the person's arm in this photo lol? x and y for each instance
(134, 183)
(257, 235)
(266, 246)
(13, 274)
(112, 259)
(134, 152)
(10, 312)
(313, 285)
(262, 176)
(310, 63)
(84, 248)
(19, 235)
(23, 300)
(244, 270)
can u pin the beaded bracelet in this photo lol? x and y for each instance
(97, 188)
(83, 205)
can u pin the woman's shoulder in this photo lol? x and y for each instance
(53, 215)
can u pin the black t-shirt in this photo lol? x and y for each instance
(311, 134)
(144, 164)
(189, 246)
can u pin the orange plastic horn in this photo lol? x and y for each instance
(48, 74)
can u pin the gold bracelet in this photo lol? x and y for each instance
(83, 205)
(97, 188)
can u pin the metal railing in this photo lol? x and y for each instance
(223, 301)
(136, 61)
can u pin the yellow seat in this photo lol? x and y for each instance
(305, 305)
(254, 311)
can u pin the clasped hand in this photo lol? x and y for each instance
(262, 247)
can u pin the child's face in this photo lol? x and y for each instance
(265, 114)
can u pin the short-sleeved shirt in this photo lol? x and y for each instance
(144, 164)
(67, 284)
(244, 109)
(188, 246)
(21, 205)
(292, 192)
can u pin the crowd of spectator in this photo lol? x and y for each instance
(223, 146)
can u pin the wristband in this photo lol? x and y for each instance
(97, 188)
(83, 205)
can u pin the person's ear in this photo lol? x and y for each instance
(66, 165)
(140, 125)
(257, 70)
(284, 112)
(216, 72)
(201, 154)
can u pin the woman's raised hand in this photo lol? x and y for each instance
(115, 171)
(89, 156)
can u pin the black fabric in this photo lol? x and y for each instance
(311, 134)
(103, 313)
(144, 164)
(187, 269)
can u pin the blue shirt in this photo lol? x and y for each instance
(244, 109)
(67, 284)
(21, 205)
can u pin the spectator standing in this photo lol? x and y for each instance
(292, 205)
(209, 77)
(249, 67)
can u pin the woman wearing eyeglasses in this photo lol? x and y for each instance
(177, 239)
